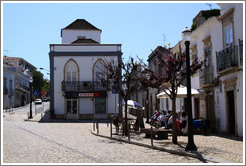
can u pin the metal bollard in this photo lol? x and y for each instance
(151, 136)
(129, 132)
(93, 125)
(111, 129)
(97, 126)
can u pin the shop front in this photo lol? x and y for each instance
(89, 105)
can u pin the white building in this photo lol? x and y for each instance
(218, 41)
(16, 82)
(74, 66)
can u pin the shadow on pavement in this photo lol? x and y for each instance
(46, 119)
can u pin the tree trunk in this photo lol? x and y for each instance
(174, 124)
(125, 127)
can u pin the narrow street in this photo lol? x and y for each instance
(36, 142)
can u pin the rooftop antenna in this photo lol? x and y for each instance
(6, 52)
(164, 39)
(209, 4)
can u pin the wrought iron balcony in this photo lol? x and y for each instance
(82, 86)
(5, 91)
(227, 58)
(11, 92)
(21, 87)
(241, 50)
(206, 76)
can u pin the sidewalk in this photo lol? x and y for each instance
(212, 148)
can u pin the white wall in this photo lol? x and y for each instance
(9, 75)
(240, 102)
(68, 35)
(85, 64)
(85, 106)
(86, 48)
(113, 100)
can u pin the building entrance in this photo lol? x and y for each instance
(100, 108)
(231, 112)
(71, 109)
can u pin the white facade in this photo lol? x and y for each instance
(68, 35)
(75, 90)
(16, 84)
(8, 87)
(222, 103)
(222, 100)
(85, 64)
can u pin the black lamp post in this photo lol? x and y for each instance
(147, 101)
(147, 106)
(186, 34)
(30, 85)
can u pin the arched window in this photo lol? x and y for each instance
(99, 70)
(71, 71)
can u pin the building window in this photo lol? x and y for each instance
(71, 71)
(207, 52)
(10, 84)
(99, 70)
(228, 35)
(4, 83)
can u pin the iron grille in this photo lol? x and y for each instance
(227, 58)
(206, 75)
(82, 86)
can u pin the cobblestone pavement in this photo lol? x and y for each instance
(62, 142)
(213, 148)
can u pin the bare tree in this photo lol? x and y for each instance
(172, 72)
(122, 78)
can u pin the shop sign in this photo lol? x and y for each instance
(85, 94)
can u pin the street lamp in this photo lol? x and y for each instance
(30, 85)
(186, 35)
(147, 101)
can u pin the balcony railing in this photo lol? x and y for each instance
(240, 50)
(5, 91)
(82, 86)
(11, 92)
(206, 76)
(22, 87)
(227, 58)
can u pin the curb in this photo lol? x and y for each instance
(181, 153)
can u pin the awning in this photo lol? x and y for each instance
(132, 104)
(181, 92)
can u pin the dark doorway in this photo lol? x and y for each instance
(231, 112)
(197, 106)
(210, 112)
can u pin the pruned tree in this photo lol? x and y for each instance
(172, 72)
(122, 78)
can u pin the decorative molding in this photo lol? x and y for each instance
(206, 40)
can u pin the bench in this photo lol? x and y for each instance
(161, 132)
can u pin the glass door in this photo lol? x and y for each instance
(72, 109)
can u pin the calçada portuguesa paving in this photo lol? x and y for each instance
(61, 142)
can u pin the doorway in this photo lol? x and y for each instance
(71, 109)
(210, 111)
(231, 112)
(197, 106)
(100, 108)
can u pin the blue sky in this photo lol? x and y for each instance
(29, 28)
